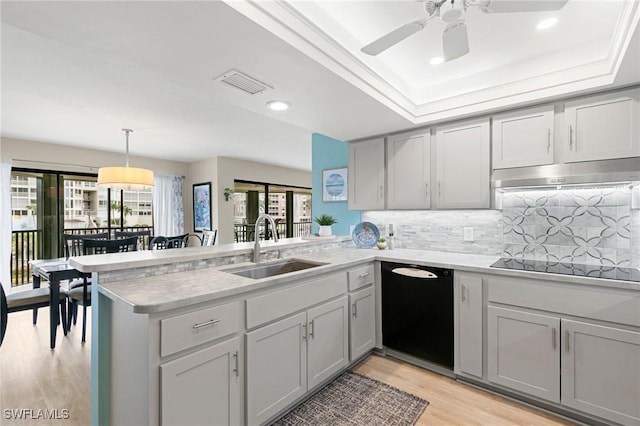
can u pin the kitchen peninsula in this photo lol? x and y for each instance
(179, 336)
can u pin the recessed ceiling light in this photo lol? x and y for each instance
(546, 23)
(437, 60)
(278, 105)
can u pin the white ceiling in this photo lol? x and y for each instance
(75, 73)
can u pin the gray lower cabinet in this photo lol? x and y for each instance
(287, 358)
(601, 371)
(206, 378)
(362, 324)
(523, 352)
(469, 326)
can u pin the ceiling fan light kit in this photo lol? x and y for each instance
(455, 41)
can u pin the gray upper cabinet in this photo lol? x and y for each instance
(523, 138)
(366, 175)
(409, 171)
(462, 165)
(603, 127)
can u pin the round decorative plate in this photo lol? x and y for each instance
(365, 234)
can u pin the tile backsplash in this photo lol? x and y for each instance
(442, 230)
(574, 225)
(589, 225)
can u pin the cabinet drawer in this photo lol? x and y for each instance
(360, 277)
(188, 330)
(586, 301)
(277, 304)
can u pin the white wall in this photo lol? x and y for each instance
(230, 169)
(47, 156)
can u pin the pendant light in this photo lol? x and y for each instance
(127, 178)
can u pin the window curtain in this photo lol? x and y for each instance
(5, 225)
(168, 211)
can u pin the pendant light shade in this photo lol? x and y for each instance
(127, 178)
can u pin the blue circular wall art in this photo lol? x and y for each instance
(334, 185)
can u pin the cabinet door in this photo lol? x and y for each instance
(362, 325)
(601, 371)
(523, 352)
(523, 138)
(462, 165)
(366, 175)
(409, 169)
(276, 367)
(603, 127)
(469, 326)
(203, 387)
(328, 340)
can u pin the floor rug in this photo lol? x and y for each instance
(353, 399)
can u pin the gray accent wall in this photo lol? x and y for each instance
(586, 225)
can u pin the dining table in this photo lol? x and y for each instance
(54, 271)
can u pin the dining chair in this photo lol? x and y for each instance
(82, 295)
(73, 247)
(73, 242)
(144, 237)
(26, 300)
(162, 243)
(209, 237)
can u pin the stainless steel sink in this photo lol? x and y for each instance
(274, 268)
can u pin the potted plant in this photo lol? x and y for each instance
(382, 243)
(325, 221)
(227, 193)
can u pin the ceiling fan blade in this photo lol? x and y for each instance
(508, 6)
(455, 42)
(394, 37)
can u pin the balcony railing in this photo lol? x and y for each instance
(245, 232)
(25, 247)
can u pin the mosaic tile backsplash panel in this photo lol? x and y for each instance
(577, 225)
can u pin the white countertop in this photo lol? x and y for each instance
(171, 291)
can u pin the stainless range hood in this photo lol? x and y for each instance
(589, 172)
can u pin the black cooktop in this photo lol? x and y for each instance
(593, 271)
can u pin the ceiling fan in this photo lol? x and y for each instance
(455, 41)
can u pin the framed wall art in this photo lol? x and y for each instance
(201, 206)
(334, 185)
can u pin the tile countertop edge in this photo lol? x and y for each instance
(146, 299)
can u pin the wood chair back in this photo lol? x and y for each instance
(73, 242)
(209, 237)
(91, 246)
(144, 237)
(162, 243)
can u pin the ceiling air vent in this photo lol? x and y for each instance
(243, 82)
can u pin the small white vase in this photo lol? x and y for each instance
(325, 231)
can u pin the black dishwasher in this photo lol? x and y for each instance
(417, 312)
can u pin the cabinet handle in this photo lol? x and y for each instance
(206, 323)
(553, 337)
(426, 190)
(311, 329)
(380, 191)
(570, 136)
(235, 370)
(364, 275)
(439, 189)
(304, 331)
(567, 335)
(548, 140)
(354, 310)
(462, 290)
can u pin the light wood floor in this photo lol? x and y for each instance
(34, 377)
